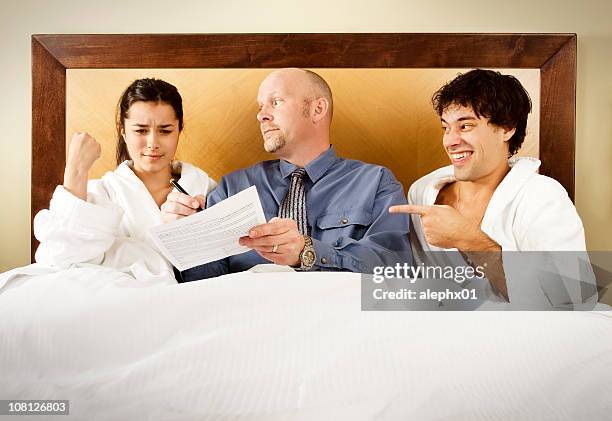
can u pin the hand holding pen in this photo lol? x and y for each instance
(179, 204)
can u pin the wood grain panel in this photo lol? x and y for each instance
(303, 50)
(558, 146)
(382, 116)
(48, 128)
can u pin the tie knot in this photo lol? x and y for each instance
(298, 173)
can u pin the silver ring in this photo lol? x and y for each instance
(275, 248)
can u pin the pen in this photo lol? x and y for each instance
(182, 190)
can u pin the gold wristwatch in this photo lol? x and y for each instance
(307, 255)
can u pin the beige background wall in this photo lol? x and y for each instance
(589, 19)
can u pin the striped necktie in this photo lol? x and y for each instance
(294, 203)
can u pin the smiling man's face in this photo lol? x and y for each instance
(476, 147)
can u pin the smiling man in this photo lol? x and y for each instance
(324, 212)
(484, 201)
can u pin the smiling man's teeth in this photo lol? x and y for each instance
(459, 155)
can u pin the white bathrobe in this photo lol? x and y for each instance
(108, 231)
(527, 212)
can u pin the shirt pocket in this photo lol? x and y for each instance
(350, 223)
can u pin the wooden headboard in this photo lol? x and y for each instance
(554, 55)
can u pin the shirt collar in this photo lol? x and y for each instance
(315, 168)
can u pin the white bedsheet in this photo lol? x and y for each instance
(290, 346)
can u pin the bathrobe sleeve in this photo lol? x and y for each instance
(546, 219)
(552, 270)
(77, 231)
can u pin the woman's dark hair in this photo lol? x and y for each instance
(500, 98)
(148, 90)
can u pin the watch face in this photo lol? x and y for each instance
(309, 257)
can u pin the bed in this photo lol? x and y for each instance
(284, 345)
(279, 346)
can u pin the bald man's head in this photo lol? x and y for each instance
(294, 112)
(306, 83)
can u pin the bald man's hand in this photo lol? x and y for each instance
(444, 227)
(278, 241)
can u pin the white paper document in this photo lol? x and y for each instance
(211, 234)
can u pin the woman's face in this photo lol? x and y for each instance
(151, 132)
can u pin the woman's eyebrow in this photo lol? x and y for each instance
(163, 126)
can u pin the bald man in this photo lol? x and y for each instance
(324, 212)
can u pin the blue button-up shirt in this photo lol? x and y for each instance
(347, 204)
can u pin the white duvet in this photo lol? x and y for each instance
(290, 346)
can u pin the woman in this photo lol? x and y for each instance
(106, 222)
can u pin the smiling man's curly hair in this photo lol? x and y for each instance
(500, 98)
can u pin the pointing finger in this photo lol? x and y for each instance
(416, 209)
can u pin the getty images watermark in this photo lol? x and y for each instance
(458, 274)
(484, 281)
(421, 287)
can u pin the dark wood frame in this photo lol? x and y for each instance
(553, 54)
